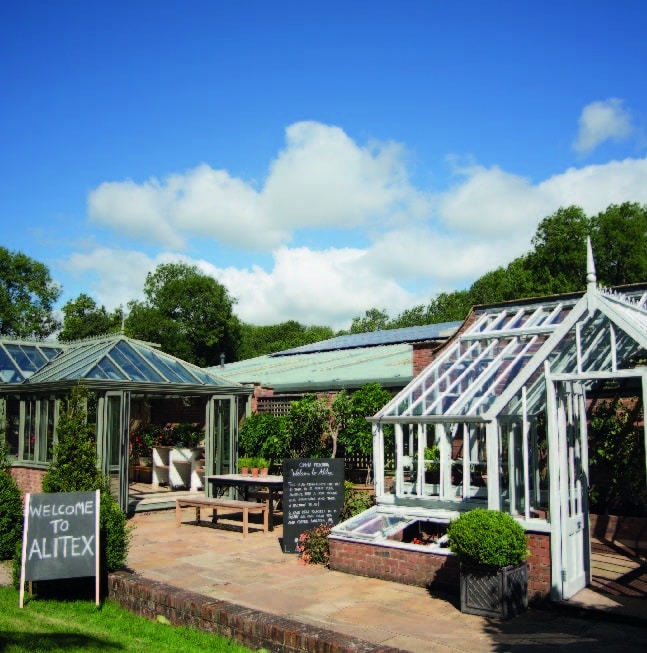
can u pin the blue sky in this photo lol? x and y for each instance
(317, 158)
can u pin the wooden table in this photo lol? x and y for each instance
(243, 484)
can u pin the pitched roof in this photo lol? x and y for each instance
(384, 357)
(107, 358)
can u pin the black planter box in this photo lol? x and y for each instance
(499, 593)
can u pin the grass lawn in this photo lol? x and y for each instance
(66, 626)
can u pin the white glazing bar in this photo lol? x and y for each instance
(378, 458)
(526, 457)
(467, 444)
(399, 470)
(492, 448)
(614, 351)
(578, 346)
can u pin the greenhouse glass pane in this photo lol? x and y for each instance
(134, 364)
(106, 366)
(8, 371)
(22, 360)
(34, 356)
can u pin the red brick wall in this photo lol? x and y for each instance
(426, 569)
(29, 479)
(539, 566)
(404, 566)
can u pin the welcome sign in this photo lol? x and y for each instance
(60, 537)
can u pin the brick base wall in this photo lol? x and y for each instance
(426, 569)
(29, 479)
(252, 628)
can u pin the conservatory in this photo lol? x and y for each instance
(498, 420)
(130, 384)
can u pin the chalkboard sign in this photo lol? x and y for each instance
(60, 536)
(313, 494)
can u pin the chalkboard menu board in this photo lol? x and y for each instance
(61, 536)
(313, 494)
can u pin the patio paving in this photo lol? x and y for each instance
(254, 572)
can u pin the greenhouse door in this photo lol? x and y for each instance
(221, 434)
(571, 548)
(114, 417)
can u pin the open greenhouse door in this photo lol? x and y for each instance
(221, 435)
(114, 418)
(570, 541)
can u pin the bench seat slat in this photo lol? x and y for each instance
(224, 504)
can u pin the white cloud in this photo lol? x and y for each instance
(602, 121)
(409, 244)
(321, 179)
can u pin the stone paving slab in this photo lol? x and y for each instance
(255, 573)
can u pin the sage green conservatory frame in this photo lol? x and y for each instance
(505, 403)
(37, 377)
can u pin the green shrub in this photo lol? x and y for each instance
(11, 511)
(75, 468)
(489, 538)
(313, 546)
(355, 501)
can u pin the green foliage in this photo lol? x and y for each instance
(262, 340)
(244, 462)
(263, 434)
(82, 318)
(488, 538)
(11, 511)
(313, 547)
(355, 501)
(432, 458)
(616, 459)
(75, 466)
(373, 320)
(356, 435)
(619, 239)
(188, 313)
(306, 428)
(75, 469)
(27, 297)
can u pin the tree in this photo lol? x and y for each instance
(262, 340)
(27, 297)
(558, 261)
(449, 307)
(619, 240)
(356, 435)
(75, 468)
(188, 313)
(82, 318)
(306, 428)
(373, 320)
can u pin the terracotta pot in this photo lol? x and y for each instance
(244, 471)
(254, 471)
(265, 471)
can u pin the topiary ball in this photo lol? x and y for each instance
(487, 538)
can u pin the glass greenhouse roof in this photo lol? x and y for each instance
(20, 360)
(109, 358)
(501, 349)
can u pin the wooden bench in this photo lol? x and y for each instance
(224, 505)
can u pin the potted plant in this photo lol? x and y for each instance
(492, 549)
(263, 466)
(243, 465)
(253, 463)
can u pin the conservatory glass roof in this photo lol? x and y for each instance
(109, 358)
(480, 372)
(19, 360)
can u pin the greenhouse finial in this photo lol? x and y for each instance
(591, 278)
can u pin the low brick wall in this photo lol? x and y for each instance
(426, 569)
(29, 479)
(251, 628)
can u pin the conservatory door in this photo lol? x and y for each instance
(575, 546)
(220, 432)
